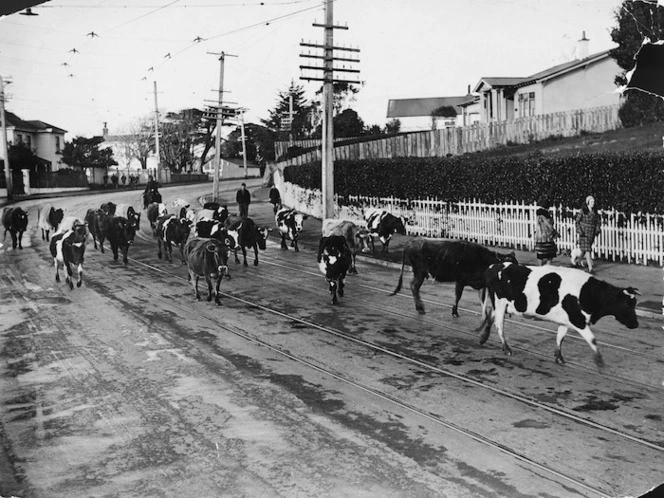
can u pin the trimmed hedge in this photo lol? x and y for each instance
(625, 181)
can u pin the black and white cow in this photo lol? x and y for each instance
(289, 222)
(67, 249)
(334, 261)
(49, 219)
(154, 211)
(15, 221)
(128, 211)
(206, 258)
(356, 237)
(566, 296)
(170, 231)
(456, 261)
(248, 235)
(120, 233)
(220, 211)
(383, 225)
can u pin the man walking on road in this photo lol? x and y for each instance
(243, 199)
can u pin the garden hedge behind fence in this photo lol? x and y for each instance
(630, 182)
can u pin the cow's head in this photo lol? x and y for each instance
(108, 208)
(220, 233)
(362, 238)
(77, 240)
(623, 309)
(21, 219)
(298, 220)
(400, 225)
(220, 252)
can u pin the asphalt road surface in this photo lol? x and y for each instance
(127, 386)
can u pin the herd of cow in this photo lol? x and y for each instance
(568, 297)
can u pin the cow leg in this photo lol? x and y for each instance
(208, 281)
(386, 244)
(558, 355)
(415, 285)
(43, 234)
(114, 250)
(501, 308)
(217, 298)
(353, 270)
(194, 283)
(244, 255)
(255, 254)
(297, 249)
(333, 291)
(79, 272)
(237, 260)
(125, 250)
(182, 258)
(458, 290)
(341, 286)
(57, 270)
(68, 280)
(48, 232)
(159, 246)
(284, 247)
(101, 243)
(14, 241)
(588, 335)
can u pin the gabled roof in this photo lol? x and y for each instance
(547, 74)
(410, 108)
(33, 126)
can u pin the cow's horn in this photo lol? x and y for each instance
(631, 292)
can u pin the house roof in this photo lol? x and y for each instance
(409, 108)
(33, 126)
(547, 74)
(8, 7)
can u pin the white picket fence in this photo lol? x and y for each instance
(634, 238)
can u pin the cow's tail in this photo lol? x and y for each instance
(400, 283)
(487, 315)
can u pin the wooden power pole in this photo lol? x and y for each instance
(328, 99)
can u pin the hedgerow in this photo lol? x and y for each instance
(625, 181)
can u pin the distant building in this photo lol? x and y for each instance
(583, 83)
(127, 164)
(44, 139)
(419, 114)
(232, 168)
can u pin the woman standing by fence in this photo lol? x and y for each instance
(545, 237)
(588, 225)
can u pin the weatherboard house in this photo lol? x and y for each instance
(44, 139)
(419, 114)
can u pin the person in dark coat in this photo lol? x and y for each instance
(588, 226)
(545, 237)
(275, 198)
(243, 199)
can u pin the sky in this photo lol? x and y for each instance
(408, 49)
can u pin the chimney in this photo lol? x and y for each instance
(582, 47)
(104, 131)
(468, 90)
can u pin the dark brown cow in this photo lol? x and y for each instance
(96, 222)
(247, 235)
(206, 258)
(15, 221)
(456, 261)
(120, 233)
(154, 211)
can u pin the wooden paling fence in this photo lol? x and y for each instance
(631, 238)
(474, 138)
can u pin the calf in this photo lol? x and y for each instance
(68, 248)
(334, 260)
(566, 296)
(15, 221)
(220, 212)
(121, 233)
(383, 225)
(128, 211)
(289, 222)
(206, 258)
(154, 211)
(357, 238)
(49, 219)
(172, 230)
(248, 236)
(456, 261)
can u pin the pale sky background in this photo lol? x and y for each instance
(409, 49)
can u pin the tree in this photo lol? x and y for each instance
(302, 113)
(393, 126)
(635, 21)
(183, 134)
(138, 142)
(259, 141)
(23, 157)
(85, 153)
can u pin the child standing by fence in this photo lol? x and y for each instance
(545, 237)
